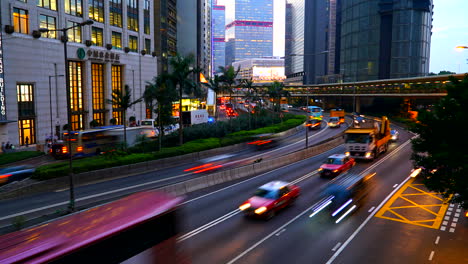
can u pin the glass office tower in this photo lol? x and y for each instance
(249, 29)
(218, 29)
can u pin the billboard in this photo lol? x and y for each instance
(268, 74)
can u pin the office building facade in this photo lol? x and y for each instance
(385, 39)
(116, 50)
(249, 29)
(261, 70)
(165, 24)
(218, 33)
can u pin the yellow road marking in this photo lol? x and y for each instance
(432, 221)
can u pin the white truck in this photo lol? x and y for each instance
(194, 117)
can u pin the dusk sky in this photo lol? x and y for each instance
(450, 29)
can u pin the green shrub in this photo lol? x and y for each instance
(6, 158)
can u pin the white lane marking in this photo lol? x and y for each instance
(447, 218)
(451, 205)
(448, 213)
(372, 209)
(270, 235)
(431, 255)
(33, 210)
(452, 230)
(437, 240)
(367, 220)
(453, 225)
(458, 210)
(395, 185)
(455, 220)
(450, 209)
(445, 223)
(206, 226)
(443, 228)
(336, 247)
(281, 231)
(456, 215)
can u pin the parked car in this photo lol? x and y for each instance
(270, 198)
(335, 165)
(16, 173)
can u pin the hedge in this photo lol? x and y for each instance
(119, 158)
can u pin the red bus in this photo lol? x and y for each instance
(141, 228)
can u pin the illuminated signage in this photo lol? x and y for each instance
(268, 73)
(103, 56)
(2, 83)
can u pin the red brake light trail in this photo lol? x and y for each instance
(5, 176)
(199, 167)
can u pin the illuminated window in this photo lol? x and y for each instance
(49, 23)
(49, 4)
(74, 7)
(26, 114)
(20, 20)
(76, 94)
(96, 37)
(115, 13)
(132, 15)
(148, 45)
(97, 80)
(116, 40)
(146, 17)
(74, 34)
(117, 87)
(96, 10)
(133, 43)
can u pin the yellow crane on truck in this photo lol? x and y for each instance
(367, 138)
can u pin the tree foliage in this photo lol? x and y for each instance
(276, 91)
(442, 146)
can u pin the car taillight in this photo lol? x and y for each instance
(64, 150)
(79, 149)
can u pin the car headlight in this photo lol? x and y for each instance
(368, 154)
(244, 206)
(394, 137)
(347, 154)
(335, 170)
(261, 210)
(320, 169)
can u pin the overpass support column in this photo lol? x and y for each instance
(357, 104)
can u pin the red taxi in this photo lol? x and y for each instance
(270, 198)
(336, 164)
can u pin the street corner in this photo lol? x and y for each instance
(415, 204)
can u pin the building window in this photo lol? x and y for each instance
(146, 17)
(132, 15)
(117, 87)
(115, 13)
(74, 7)
(74, 34)
(76, 94)
(96, 37)
(20, 20)
(26, 114)
(96, 10)
(97, 80)
(116, 40)
(133, 43)
(49, 4)
(49, 23)
(148, 45)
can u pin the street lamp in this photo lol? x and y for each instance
(307, 93)
(50, 101)
(71, 206)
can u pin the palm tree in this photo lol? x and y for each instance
(121, 98)
(251, 92)
(182, 76)
(163, 91)
(228, 77)
(276, 91)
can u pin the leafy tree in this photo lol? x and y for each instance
(215, 85)
(163, 91)
(121, 98)
(441, 148)
(182, 76)
(276, 91)
(445, 73)
(228, 78)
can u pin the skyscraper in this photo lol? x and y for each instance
(218, 33)
(165, 12)
(249, 29)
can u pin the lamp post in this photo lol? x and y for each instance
(64, 31)
(307, 94)
(50, 101)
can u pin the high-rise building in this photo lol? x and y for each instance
(165, 42)
(249, 29)
(311, 35)
(218, 33)
(114, 51)
(194, 32)
(385, 39)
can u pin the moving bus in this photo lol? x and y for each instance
(141, 228)
(315, 112)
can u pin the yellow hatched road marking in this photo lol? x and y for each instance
(429, 222)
